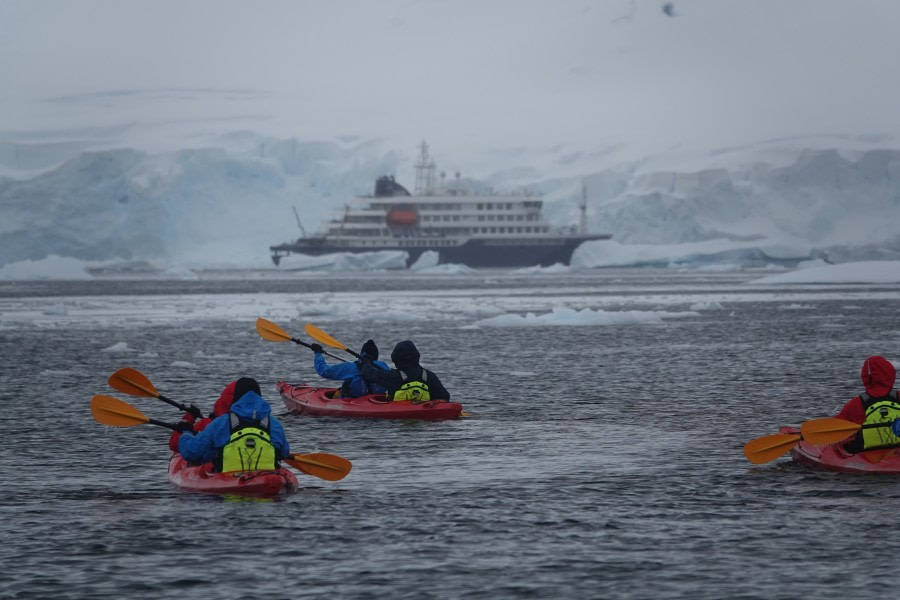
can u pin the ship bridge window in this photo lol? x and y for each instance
(489, 205)
(509, 206)
(480, 206)
(493, 230)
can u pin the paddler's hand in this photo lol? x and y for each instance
(316, 348)
(184, 427)
(195, 412)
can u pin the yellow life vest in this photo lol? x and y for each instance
(413, 390)
(249, 448)
(880, 415)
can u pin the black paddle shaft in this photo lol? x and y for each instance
(162, 424)
(302, 343)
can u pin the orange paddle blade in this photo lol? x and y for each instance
(320, 336)
(828, 430)
(768, 448)
(319, 464)
(268, 330)
(132, 382)
(116, 413)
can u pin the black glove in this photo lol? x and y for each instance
(365, 359)
(196, 412)
(184, 427)
(316, 348)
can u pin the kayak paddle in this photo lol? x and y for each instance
(134, 383)
(769, 447)
(272, 332)
(320, 336)
(319, 464)
(828, 430)
(816, 431)
(118, 413)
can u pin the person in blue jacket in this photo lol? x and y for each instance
(246, 438)
(350, 373)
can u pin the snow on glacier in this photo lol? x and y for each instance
(182, 156)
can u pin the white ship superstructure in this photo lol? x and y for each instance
(476, 230)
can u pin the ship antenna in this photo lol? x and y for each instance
(583, 207)
(424, 172)
(299, 224)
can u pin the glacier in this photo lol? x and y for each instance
(708, 135)
(222, 207)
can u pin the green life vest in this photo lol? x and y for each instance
(413, 390)
(880, 415)
(249, 448)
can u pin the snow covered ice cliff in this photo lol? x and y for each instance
(223, 206)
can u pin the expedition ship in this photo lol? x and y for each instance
(473, 230)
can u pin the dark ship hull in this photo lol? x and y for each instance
(476, 253)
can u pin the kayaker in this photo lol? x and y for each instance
(409, 381)
(192, 423)
(353, 385)
(247, 437)
(875, 409)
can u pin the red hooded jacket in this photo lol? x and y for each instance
(222, 406)
(877, 376)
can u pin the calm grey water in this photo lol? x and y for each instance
(600, 461)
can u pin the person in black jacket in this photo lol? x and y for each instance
(408, 381)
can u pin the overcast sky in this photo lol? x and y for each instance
(505, 72)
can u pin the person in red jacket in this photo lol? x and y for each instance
(875, 409)
(190, 423)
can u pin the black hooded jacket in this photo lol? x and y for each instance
(406, 358)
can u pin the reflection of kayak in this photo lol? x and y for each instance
(306, 400)
(834, 458)
(253, 483)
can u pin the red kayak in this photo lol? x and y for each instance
(254, 483)
(307, 400)
(834, 458)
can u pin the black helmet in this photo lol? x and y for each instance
(370, 350)
(244, 385)
(405, 354)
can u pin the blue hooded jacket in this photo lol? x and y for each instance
(349, 371)
(202, 448)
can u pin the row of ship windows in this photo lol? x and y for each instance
(444, 232)
(478, 206)
(510, 229)
(507, 205)
(482, 218)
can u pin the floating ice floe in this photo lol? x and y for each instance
(887, 271)
(561, 316)
(384, 260)
(52, 267)
(119, 347)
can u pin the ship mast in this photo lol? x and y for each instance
(582, 225)
(424, 172)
